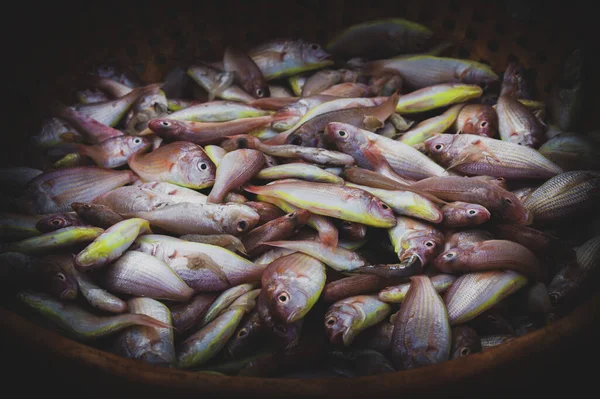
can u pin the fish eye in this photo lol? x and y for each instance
(56, 222)
(291, 215)
(450, 256)
(315, 46)
(483, 124)
(243, 332)
(508, 200)
(283, 297)
(554, 297)
(203, 166)
(438, 147)
(259, 93)
(297, 140)
(61, 276)
(165, 123)
(384, 206)
(472, 212)
(242, 225)
(342, 133)
(429, 244)
(346, 223)
(137, 140)
(87, 206)
(464, 351)
(330, 321)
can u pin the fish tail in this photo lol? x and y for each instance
(253, 189)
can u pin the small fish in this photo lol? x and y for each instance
(186, 218)
(217, 111)
(415, 241)
(431, 126)
(203, 133)
(420, 71)
(235, 169)
(111, 244)
(248, 334)
(338, 258)
(226, 241)
(422, 334)
(15, 226)
(150, 344)
(462, 214)
(352, 286)
(247, 74)
(139, 274)
(517, 124)
(286, 335)
(517, 82)
(564, 196)
(182, 163)
(465, 341)
(351, 231)
(380, 38)
(147, 107)
(347, 318)
(385, 85)
(59, 239)
(257, 240)
(55, 191)
(114, 152)
(223, 301)
(479, 119)
(91, 130)
(297, 82)
(218, 84)
(79, 323)
(394, 270)
(499, 202)
(187, 316)
(320, 81)
(299, 171)
(484, 290)
(437, 96)
(572, 151)
(492, 255)
(331, 200)
(397, 293)
(282, 58)
(96, 214)
(58, 221)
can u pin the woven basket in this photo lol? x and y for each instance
(151, 39)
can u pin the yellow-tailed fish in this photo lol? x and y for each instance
(215, 153)
(55, 240)
(114, 152)
(247, 74)
(337, 258)
(299, 171)
(297, 82)
(223, 301)
(397, 293)
(111, 244)
(437, 96)
(431, 126)
(226, 241)
(415, 241)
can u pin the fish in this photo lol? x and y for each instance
(349, 317)
(256, 240)
(380, 38)
(226, 241)
(16, 226)
(338, 258)
(93, 294)
(111, 244)
(415, 241)
(378, 338)
(296, 170)
(247, 74)
(195, 262)
(479, 119)
(422, 334)
(517, 124)
(139, 274)
(218, 84)
(91, 130)
(234, 170)
(208, 341)
(59, 239)
(287, 336)
(187, 316)
(369, 178)
(152, 105)
(393, 270)
(564, 196)
(362, 284)
(284, 57)
(351, 231)
(266, 210)
(204, 133)
(297, 82)
(431, 126)
(474, 293)
(385, 85)
(419, 71)
(463, 214)
(320, 81)
(465, 341)
(517, 82)
(566, 97)
(54, 191)
(331, 200)
(397, 293)
(58, 221)
(182, 163)
(150, 344)
(309, 133)
(130, 199)
(218, 111)
(406, 203)
(55, 131)
(223, 301)
(114, 152)
(248, 334)
(499, 202)
(186, 218)
(293, 284)
(466, 238)
(492, 255)
(572, 151)
(437, 96)
(79, 323)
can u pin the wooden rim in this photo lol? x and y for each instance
(560, 334)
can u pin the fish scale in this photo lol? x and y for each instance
(588, 254)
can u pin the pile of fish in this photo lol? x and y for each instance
(297, 211)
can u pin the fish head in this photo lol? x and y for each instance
(424, 245)
(312, 53)
(299, 217)
(136, 144)
(259, 88)
(352, 230)
(450, 259)
(346, 137)
(53, 222)
(511, 208)
(483, 123)
(306, 136)
(339, 320)
(473, 214)
(441, 147)
(167, 127)
(287, 302)
(153, 103)
(197, 167)
(243, 220)
(465, 341)
(378, 211)
(58, 282)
